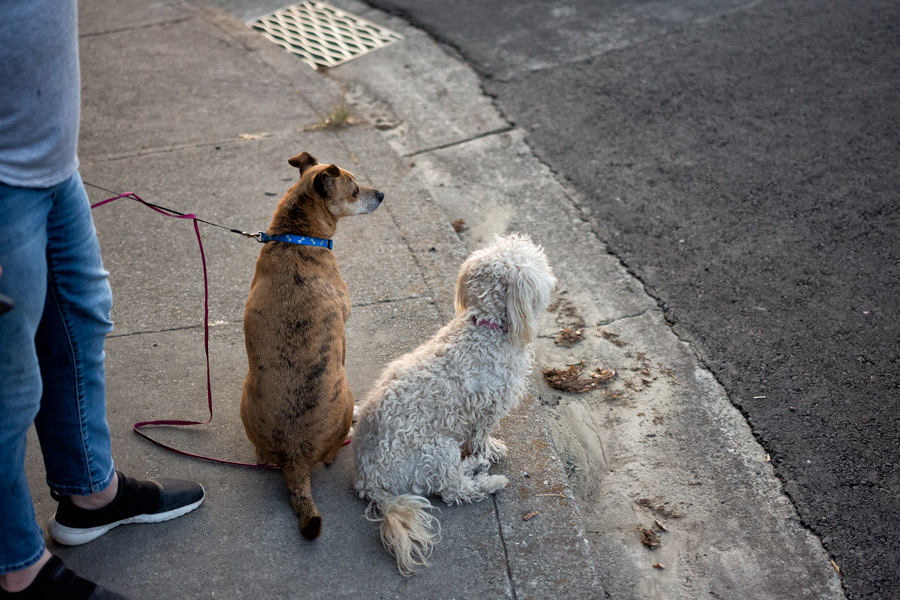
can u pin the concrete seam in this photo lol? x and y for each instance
(415, 257)
(152, 331)
(189, 146)
(509, 575)
(155, 151)
(389, 301)
(187, 327)
(135, 28)
(444, 318)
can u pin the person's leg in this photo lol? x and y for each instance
(70, 341)
(24, 279)
(72, 424)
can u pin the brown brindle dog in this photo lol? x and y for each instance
(296, 405)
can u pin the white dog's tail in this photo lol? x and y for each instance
(408, 530)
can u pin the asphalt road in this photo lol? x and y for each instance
(742, 158)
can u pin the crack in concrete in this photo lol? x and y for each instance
(156, 151)
(455, 143)
(606, 322)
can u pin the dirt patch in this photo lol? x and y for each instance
(658, 509)
(612, 337)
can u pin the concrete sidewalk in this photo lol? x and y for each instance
(190, 109)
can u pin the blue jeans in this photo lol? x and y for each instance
(51, 355)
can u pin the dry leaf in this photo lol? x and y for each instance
(659, 566)
(649, 538)
(531, 515)
(569, 337)
(569, 380)
(604, 375)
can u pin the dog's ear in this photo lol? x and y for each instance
(303, 161)
(521, 294)
(324, 181)
(462, 288)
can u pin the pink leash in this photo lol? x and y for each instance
(138, 426)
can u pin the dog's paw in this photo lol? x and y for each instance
(494, 483)
(477, 466)
(496, 450)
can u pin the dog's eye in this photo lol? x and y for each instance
(356, 191)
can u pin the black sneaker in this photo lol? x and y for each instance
(136, 501)
(54, 580)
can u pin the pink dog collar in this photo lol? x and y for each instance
(486, 323)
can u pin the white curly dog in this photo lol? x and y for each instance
(424, 429)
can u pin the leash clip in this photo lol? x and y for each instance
(258, 236)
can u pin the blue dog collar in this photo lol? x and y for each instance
(302, 240)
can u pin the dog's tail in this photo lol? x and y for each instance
(408, 530)
(300, 494)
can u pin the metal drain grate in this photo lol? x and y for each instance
(322, 35)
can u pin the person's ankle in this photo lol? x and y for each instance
(16, 581)
(98, 500)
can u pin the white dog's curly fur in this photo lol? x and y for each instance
(425, 427)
